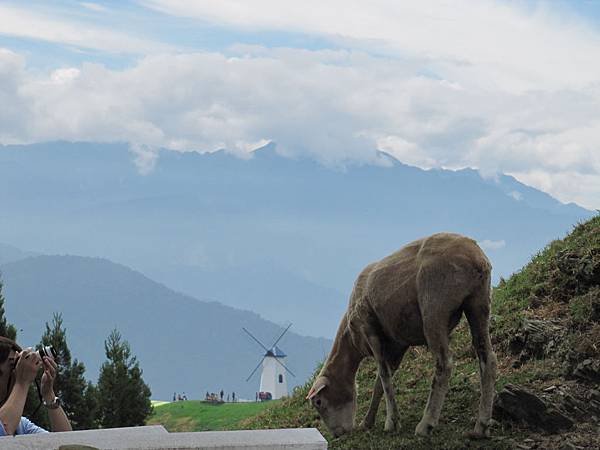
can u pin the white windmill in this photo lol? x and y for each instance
(273, 381)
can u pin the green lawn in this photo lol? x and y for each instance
(195, 415)
(156, 403)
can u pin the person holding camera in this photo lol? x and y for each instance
(18, 369)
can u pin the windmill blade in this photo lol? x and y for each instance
(255, 369)
(252, 336)
(283, 365)
(279, 338)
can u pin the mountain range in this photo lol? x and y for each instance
(283, 237)
(183, 344)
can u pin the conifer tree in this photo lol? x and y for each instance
(70, 384)
(6, 329)
(123, 396)
(90, 398)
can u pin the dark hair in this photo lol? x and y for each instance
(6, 345)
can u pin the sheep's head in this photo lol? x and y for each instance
(335, 403)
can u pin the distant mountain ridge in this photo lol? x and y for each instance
(9, 253)
(183, 344)
(283, 237)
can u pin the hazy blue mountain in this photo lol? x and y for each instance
(183, 344)
(9, 253)
(282, 237)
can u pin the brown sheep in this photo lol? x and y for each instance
(415, 296)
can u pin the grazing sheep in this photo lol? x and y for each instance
(415, 296)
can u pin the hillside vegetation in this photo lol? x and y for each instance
(546, 332)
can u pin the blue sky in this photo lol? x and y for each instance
(500, 86)
(181, 34)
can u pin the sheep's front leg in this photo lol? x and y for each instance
(392, 417)
(369, 420)
(385, 372)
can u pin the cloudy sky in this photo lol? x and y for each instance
(501, 86)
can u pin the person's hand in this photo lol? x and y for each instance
(50, 369)
(27, 367)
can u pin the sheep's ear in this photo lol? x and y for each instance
(319, 385)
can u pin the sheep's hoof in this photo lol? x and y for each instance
(390, 425)
(366, 425)
(481, 431)
(475, 436)
(424, 429)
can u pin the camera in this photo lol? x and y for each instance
(47, 351)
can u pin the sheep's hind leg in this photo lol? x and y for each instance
(478, 318)
(437, 340)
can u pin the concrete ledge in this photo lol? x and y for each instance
(156, 438)
(289, 438)
(108, 438)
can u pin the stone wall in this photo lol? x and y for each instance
(157, 438)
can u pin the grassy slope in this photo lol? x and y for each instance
(195, 415)
(559, 284)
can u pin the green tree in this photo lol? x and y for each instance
(6, 329)
(90, 398)
(123, 396)
(70, 384)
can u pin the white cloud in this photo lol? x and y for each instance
(145, 157)
(64, 75)
(492, 245)
(22, 23)
(15, 108)
(491, 43)
(93, 6)
(567, 186)
(516, 195)
(337, 106)
(407, 152)
(444, 84)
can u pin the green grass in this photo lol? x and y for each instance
(156, 403)
(195, 415)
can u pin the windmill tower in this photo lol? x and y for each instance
(273, 380)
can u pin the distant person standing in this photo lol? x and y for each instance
(233, 397)
(222, 393)
(174, 396)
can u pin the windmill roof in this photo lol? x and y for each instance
(276, 352)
